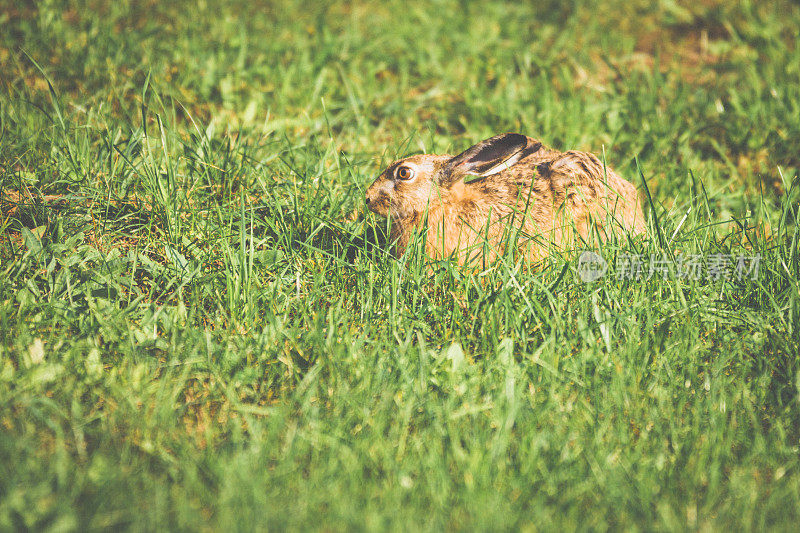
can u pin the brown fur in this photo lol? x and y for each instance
(542, 200)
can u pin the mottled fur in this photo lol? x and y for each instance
(543, 198)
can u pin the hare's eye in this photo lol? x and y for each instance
(405, 173)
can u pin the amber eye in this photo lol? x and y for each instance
(405, 173)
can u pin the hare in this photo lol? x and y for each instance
(506, 191)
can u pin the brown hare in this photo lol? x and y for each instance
(506, 191)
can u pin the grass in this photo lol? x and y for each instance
(194, 335)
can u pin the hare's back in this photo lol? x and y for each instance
(588, 187)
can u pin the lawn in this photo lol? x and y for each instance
(202, 328)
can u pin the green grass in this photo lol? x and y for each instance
(194, 335)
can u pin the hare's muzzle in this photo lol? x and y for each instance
(378, 199)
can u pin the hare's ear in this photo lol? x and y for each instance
(488, 157)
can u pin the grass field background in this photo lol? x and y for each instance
(195, 333)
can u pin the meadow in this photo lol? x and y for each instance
(201, 327)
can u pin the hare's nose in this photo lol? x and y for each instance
(367, 199)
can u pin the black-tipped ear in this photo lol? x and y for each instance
(488, 157)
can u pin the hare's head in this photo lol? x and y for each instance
(406, 187)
